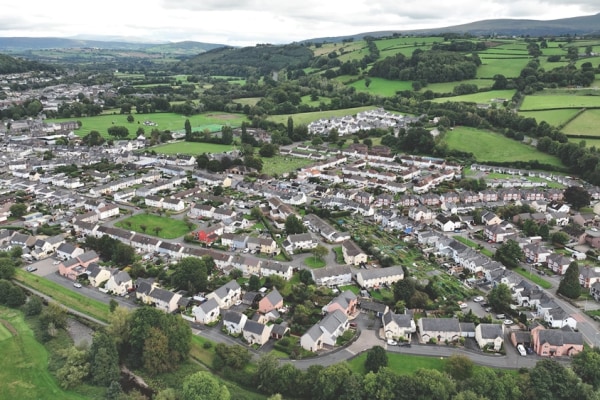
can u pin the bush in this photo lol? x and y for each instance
(207, 345)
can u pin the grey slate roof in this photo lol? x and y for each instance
(491, 331)
(254, 327)
(232, 316)
(441, 324)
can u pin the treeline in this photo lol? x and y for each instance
(12, 65)
(460, 45)
(427, 67)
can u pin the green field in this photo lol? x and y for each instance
(251, 101)
(447, 87)
(65, 296)
(191, 148)
(24, 364)
(489, 146)
(282, 164)
(165, 121)
(553, 117)
(546, 102)
(315, 103)
(509, 67)
(162, 227)
(400, 363)
(483, 97)
(585, 124)
(306, 118)
(382, 87)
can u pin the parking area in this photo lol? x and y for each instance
(44, 267)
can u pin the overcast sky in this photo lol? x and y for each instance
(248, 22)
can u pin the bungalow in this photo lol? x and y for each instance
(553, 342)
(352, 253)
(490, 335)
(272, 301)
(119, 283)
(207, 312)
(234, 322)
(438, 330)
(375, 277)
(332, 275)
(256, 333)
(398, 326)
(345, 302)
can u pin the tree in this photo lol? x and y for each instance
(7, 268)
(16, 297)
(55, 314)
(569, 285)
(156, 352)
(376, 359)
(550, 380)
(17, 210)
(203, 386)
(293, 225)
(253, 283)
(577, 196)
(114, 391)
(586, 365)
(459, 367)
(191, 274)
(320, 251)
(119, 132)
(509, 254)
(266, 372)
(500, 298)
(544, 231)
(235, 356)
(113, 304)
(118, 326)
(130, 118)
(104, 360)
(33, 306)
(75, 369)
(305, 277)
(268, 150)
(188, 129)
(493, 385)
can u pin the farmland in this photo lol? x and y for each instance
(306, 118)
(279, 165)
(382, 87)
(548, 102)
(509, 67)
(489, 146)
(552, 117)
(163, 121)
(585, 124)
(483, 97)
(447, 87)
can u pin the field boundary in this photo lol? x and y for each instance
(10, 328)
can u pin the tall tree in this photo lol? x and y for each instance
(293, 225)
(188, 130)
(586, 365)
(157, 358)
(500, 298)
(577, 196)
(104, 360)
(203, 386)
(75, 368)
(376, 359)
(509, 254)
(569, 285)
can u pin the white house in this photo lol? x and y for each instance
(207, 312)
(490, 335)
(234, 322)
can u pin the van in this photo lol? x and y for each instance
(521, 350)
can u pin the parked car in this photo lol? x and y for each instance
(521, 350)
(500, 316)
(238, 302)
(392, 342)
(352, 324)
(31, 269)
(56, 262)
(77, 285)
(508, 322)
(462, 305)
(405, 344)
(478, 299)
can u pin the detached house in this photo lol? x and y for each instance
(234, 322)
(119, 283)
(67, 250)
(553, 342)
(345, 302)
(490, 335)
(558, 263)
(256, 333)
(272, 301)
(398, 326)
(207, 312)
(97, 274)
(352, 253)
(227, 294)
(325, 332)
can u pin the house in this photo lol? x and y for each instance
(299, 242)
(119, 283)
(490, 335)
(256, 333)
(556, 342)
(489, 218)
(207, 312)
(272, 301)
(325, 332)
(558, 263)
(332, 275)
(345, 302)
(352, 253)
(536, 253)
(227, 294)
(398, 326)
(557, 317)
(234, 322)
(67, 250)
(438, 330)
(588, 275)
(164, 300)
(445, 224)
(595, 290)
(274, 268)
(97, 274)
(375, 277)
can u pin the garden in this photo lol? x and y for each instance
(162, 227)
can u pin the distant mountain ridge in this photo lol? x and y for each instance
(584, 25)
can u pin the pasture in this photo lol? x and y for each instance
(509, 67)
(448, 87)
(482, 97)
(306, 118)
(251, 101)
(552, 117)
(24, 364)
(155, 225)
(164, 121)
(548, 102)
(191, 148)
(382, 87)
(282, 164)
(585, 124)
(402, 364)
(315, 103)
(490, 146)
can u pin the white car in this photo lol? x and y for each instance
(478, 299)
(508, 322)
(463, 305)
(521, 350)
(77, 285)
(238, 302)
(392, 342)
(56, 262)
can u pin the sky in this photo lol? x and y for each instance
(249, 22)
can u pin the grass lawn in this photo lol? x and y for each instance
(489, 146)
(382, 87)
(165, 121)
(281, 164)
(551, 101)
(585, 124)
(534, 278)
(473, 245)
(162, 227)
(552, 117)
(339, 255)
(400, 363)
(353, 288)
(306, 118)
(483, 97)
(24, 364)
(64, 296)
(191, 148)
(313, 262)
